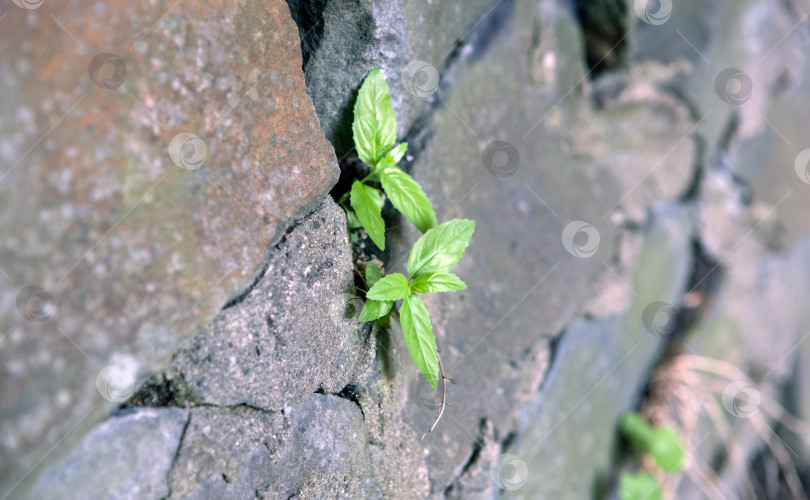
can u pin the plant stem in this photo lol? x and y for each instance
(371, 175)
(444, 397)
(345, 196)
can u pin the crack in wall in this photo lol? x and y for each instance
(605, 26)
(473, 458)
(175, 457)
(240, 297)
(349, 393)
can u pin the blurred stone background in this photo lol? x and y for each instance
(178, 315)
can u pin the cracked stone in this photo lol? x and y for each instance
(136, 247)
(227, 452)
(296, 331)
(126, 457)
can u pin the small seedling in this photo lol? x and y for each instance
(433, 255)
(375, 134)
(661, 443)
(639, 486)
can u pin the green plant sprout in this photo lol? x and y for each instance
(433, 255)
(375, 134)
(639, 486)
(661, 444)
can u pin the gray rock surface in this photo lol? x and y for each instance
(294, 332)
(128, 456)
(121, 235)
(411, 40)
(493, 337)
(605, 203)
(226, 452)
(576, 165)
(596, 375)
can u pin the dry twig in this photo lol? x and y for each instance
(444, 396)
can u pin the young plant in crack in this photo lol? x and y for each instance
(375, 134)
(661, 444)
(433, 255)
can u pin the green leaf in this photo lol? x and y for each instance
(639, 486)
(419, 338)
(637, 431)
(375, 309)
(351, 220)
(437, 282)
(407, 197)
(375, 125)
(373, 274)
(392, 157)
(666, 449)
(440, 248)
(661, 443)
(367, 203)
(392, 287)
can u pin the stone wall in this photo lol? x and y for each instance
(179, 314)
